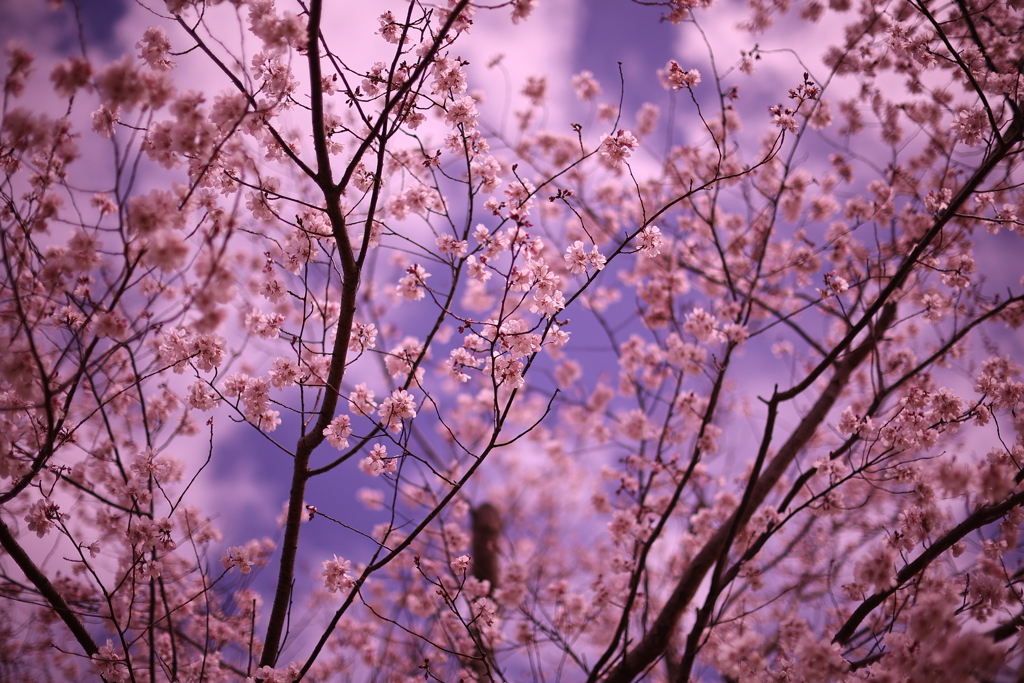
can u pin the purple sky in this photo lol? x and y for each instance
(248, 487)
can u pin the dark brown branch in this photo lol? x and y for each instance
(654, 644)
(486, 533)
(46, 589)
(984, 515)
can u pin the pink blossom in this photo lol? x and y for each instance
(70, 75)
(42, 516)
(701, 324)
(820, 660)
(876, 569)
(515, 337)
(122, 84)
(460, 565)
(622, 525)
(412, 287)
(373, 499)
(399, 362)
(263, 325)
(462, 112)
(338, 431)
(19, 66)
(650, 241)
(400, 405)
(154, 48)
(390, 30)
(149, 315)
(363, 337)
(585, 85)
(448, 76)
(378, 462)
(508, 373)
(971, 125)
(201, 397)
(336, 575)
(674, 77)
(616, 149)
(110, 664)
(241, 557)
(784, 119)
(449, 246)
(536, 89)
(647, 119)
(577, 260)
(522, 9)
(361, 400)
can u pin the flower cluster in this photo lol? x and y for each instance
(616, 149)
(336, 575)
(378, 462)
(577, 260)
(674, 77)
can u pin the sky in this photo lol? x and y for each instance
(562, 38)
(246, 484)
(622, 43)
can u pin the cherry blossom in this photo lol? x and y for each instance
(676, 78)
(585, 85)
(555, 405)
(338, 431)
(616, 149)
(378, 462)
(400, 405)
(336, 575)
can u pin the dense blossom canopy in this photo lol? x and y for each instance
(725, 388)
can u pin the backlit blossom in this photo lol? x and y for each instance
(154, 48)
(876, 570)
(577, 260)
(536, 89)
(361, 400)
(363, 337)
(784, 119)
(42, 516)
(522, 9)
(557, 326)
(616, 149)
(378, 462)
(674, 77)
(336, 575)
(701, 324)
(110, 663)
(585, 85)
(338, 431)
(239, 556)
(70, 74)
(400, 405)
(650, 241)
(460, 564)
(412, 286)
(121, 83)
(462, 112)
(971, 125)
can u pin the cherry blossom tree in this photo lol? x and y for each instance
(740, 406)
